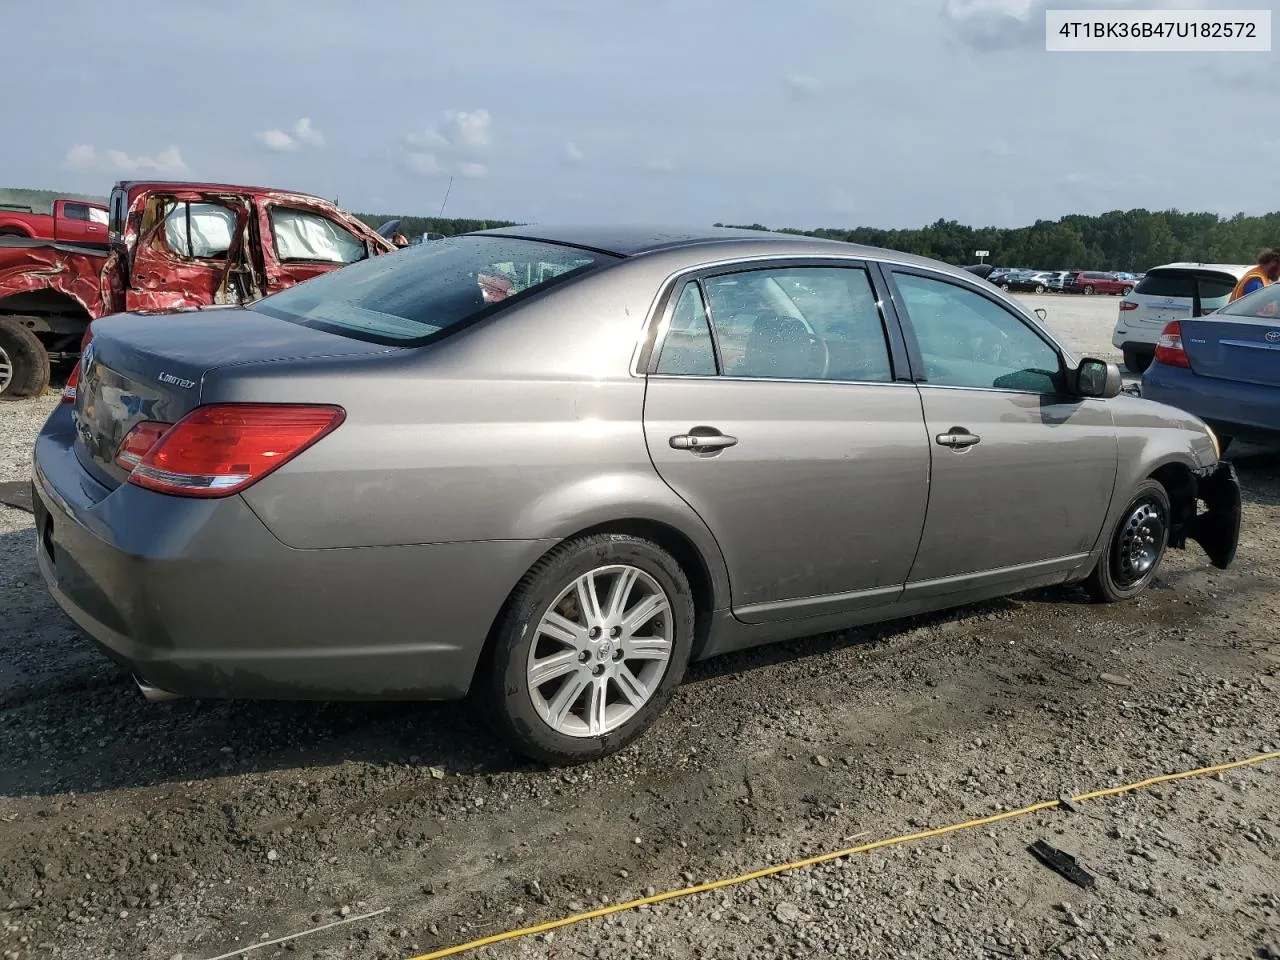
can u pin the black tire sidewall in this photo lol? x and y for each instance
(29, 360)
(1102, 583)
(508, 700)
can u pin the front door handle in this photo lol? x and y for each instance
(957, 438)
(695, 442)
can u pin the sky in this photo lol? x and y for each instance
(808, 113)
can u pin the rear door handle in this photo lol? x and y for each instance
(691, 441)
(957, 438)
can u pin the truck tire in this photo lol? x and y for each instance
(24, 365)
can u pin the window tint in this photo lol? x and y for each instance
(687, 348)
(1166, 283)
(75, 211)
(967, 340)
(419, 291)
(302, 235)
(1182, 283)
(201, 230)
(802, 323)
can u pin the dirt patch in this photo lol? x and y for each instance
(148, 830)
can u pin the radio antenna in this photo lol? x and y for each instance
(446, 197)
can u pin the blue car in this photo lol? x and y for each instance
(1224, 367)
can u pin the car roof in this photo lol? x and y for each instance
(196, 186)
(1235, 269)
(634, 241)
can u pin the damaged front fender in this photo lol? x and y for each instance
(1217, 528)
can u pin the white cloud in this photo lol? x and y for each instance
(661, 165)
(304, 134)
(571, 153)
(802, 86)
(85, 156)
(427, 164)
(468, 129)
(456, 145)
(81, 157)
(276, 140)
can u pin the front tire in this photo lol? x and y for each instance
(589, 649)
(1135, 547)
(1088, 291)
(24, 365)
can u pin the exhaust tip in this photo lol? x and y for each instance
(153, 693)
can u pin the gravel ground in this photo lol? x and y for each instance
(142, 830)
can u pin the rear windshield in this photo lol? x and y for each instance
(1263, 304)
(1182, 283)
(409, 296)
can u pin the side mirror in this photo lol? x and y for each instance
(1042, 313)
(1097, 378)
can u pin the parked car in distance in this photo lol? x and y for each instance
(561, 453)
(1175, 291)
(1090, 282)
(172, 246)
(1058, 280)
(1224, 367)
(72, 221)
(1026, 283)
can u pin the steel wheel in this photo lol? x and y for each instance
(6, 369)
(1139, 542)
(601, 650)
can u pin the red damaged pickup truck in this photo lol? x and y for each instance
(170, 246)
(72, 221)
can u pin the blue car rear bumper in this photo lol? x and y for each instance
(1229, 406)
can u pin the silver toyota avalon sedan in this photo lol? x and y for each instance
(548, 467)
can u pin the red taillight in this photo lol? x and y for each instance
(1127, 305)
(138, 443)
(72, 385)
(218, 450)
(1169, 347)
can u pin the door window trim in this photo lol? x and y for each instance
(913, 346)
(649, 349)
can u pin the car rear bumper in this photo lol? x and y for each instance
(1231, 407)
(198, 598)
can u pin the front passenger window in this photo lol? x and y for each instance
(967, 340)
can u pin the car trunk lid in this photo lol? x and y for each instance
(1240, 348)
(151, 368)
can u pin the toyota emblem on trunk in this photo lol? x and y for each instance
(1273, 336)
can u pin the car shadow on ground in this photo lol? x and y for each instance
(73, 721)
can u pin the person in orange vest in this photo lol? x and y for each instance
(1264, 274)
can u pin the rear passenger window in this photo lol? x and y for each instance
(687, 349)
(1173, 284)
(799, 323)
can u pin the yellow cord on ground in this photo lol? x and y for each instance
(834, 855)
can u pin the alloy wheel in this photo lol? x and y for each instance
(6, 370)
(601, 650)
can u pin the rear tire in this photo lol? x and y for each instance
(24, 365)
(583, 655)
(1135, 546)
(1039, 288)
(1136, 361)
(1126, 291)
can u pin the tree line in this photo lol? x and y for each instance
(1133, 240)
